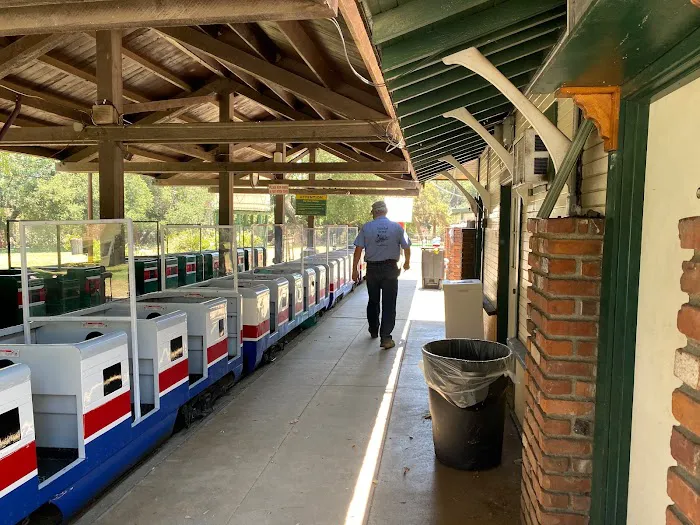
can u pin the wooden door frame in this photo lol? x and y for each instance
(503, 288)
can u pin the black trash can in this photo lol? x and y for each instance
(467, 380)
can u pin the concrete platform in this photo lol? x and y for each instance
(313, 439)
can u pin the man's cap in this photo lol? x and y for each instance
(379, 206)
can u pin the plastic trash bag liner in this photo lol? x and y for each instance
(461, 370)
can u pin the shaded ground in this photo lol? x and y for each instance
(297, 442)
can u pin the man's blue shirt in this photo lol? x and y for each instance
(382, 240)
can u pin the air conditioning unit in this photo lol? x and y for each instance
(531, 159)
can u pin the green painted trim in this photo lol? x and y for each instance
(620, 285)
(636, 34)
(412, 16)
(683, 62)
(503, 289)
(432, 42)
(618, 317)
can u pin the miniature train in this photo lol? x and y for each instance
(77, 409)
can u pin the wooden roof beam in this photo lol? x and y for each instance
(204, 133)
(328, 191)
(294, 185)
(251, 167)
(40, 16)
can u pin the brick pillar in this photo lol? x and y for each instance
(683, 482)
(453, 251)
(563, 314)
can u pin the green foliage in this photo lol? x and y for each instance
(30, 189)
(431, 211)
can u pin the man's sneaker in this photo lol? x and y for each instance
(387, 343)
(373, 335)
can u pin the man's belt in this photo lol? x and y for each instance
(378, 263)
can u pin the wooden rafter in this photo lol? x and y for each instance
(161, 105)
(353, 19)
(265, 49)
(26, 49)
(308, 51)
(156, 69)
(257, 40)
(43, 101)
(263, 70)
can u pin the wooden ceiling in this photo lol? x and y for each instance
(279, 70)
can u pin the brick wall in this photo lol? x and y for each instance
(684, 479)
(563, 314)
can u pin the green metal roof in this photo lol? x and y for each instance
(413, 37)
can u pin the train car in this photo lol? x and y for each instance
(308, 279)
(255, 330)
(187, 269)
(11, 297)
(211, 265)
(280, 324)
(147, 272)
(207, 333)
(80, 429)
(332, 276)
(295, 281)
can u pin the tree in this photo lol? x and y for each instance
(430, 210)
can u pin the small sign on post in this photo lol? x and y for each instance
(311, 204)
(278, 189)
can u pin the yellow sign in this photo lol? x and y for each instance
(311, 204)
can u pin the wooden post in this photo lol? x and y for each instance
(226, 178)
(226, 114)
(311, 219)
(280, 156)
(109, 91)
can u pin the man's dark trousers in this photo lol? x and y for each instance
(382, 287)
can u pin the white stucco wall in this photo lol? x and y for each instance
(672, 179)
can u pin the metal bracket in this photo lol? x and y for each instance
(472, 201)
(483, 192)
(557, 143)
(466, 117)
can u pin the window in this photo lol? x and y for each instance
(176, 349)
(9, 428)
(112, 377)
(221, 328)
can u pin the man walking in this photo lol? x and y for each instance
(382, 241)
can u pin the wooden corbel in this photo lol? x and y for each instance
(602, 106)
